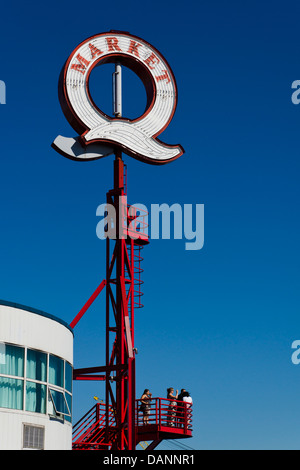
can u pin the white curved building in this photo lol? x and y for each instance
(36, 364)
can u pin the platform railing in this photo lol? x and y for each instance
(167, 413)
(88, 431)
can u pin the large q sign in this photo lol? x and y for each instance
(100, 134)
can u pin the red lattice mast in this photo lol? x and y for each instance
(122, 266)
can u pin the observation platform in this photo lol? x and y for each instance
(164, 421)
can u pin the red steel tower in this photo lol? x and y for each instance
(122, 296)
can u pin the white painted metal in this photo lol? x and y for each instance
(71, 147)
(137, 137)
(35, 331)
(24, 328)
(117, 90)
(58, 436)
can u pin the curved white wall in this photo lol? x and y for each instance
(35, 330)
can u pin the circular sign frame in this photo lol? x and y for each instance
(135, 137)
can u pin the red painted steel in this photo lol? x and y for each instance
(164, 414)
(88, 304)
(116, 425)
(120, 319)
(90, 433)
(123, 293)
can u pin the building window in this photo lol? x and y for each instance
(28, 377)
(36, 365)
(11, 360)
(56, 371)
(68, 397)
(68, 377)
(33, 437)
(11, 393)
(59, 402)
(35, 397)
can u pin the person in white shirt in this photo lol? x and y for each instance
(189, 401)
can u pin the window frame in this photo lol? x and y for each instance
(59, 413)
(61, 389)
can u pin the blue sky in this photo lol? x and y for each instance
(219, 321)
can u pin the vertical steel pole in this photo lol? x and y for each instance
(118, 188)
(124, 401)
(117, 90)
(131, 360)
(120, 383)
(107, 352)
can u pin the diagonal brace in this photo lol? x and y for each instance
(88, 304)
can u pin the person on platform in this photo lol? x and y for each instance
(189, 401)
(172, 405)
(180, 407)
(145, 405)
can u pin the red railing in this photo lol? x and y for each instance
(163, 413)
(90, 432)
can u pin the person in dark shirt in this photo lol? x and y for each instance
(145, 405)
(180, 408)
(172, 406)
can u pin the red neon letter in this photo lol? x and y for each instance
(81, 67)
(94, 50)
(151, 60)
(113, 44)
(133, 48)
(165, 76)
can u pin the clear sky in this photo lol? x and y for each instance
(219, 321)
